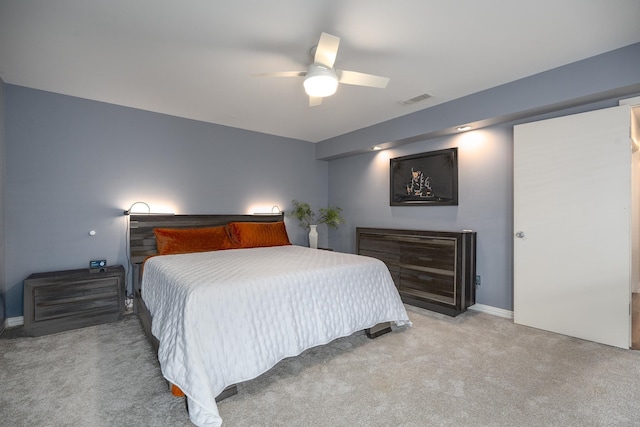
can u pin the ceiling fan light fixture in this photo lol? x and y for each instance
(320, 81)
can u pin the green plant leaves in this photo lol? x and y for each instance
(332, 216)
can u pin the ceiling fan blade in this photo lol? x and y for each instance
(315, 101)
(281, 74)
(326, 50)
(362, 79)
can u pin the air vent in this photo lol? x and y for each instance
(415, 99)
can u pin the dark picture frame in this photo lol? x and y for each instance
(425, 179)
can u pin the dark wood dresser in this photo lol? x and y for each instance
(435, 270)
(63, 300)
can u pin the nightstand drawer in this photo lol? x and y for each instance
(76, 297)
(59, 301)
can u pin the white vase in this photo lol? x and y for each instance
(313, 237)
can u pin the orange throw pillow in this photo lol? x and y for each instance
(187, 240)
(258, 234)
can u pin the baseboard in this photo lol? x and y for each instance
(500, 312)
(12, 322)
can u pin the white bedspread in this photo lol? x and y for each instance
(228, 316)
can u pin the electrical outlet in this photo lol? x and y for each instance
(128, 304)
(478, 281)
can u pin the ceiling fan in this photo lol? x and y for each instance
(321, 79)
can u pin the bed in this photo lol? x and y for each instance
(221, 317)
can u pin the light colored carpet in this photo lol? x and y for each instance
(475, 369)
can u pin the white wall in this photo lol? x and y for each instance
(2, 205)
(635, 207)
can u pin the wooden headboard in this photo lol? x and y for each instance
(142, 242)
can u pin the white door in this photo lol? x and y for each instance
(572, 234)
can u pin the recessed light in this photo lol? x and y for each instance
(463, 128)
(376, 148)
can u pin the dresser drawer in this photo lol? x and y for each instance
(429, 260)
(392, 260)
(379, 244)
(440, 254)
(428, 285)
(431, 269)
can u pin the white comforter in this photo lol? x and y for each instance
(228, 316)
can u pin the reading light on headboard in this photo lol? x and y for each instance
(275, 210)
(128, 211)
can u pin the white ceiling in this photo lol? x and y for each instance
(194, 58)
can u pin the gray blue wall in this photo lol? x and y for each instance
(601, 77)
(360, 185)
(359, 178)
(74, 165)
(485, 173)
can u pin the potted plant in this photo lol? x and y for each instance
(332, 216)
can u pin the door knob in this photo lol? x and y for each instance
(520, 234)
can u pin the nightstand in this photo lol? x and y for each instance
(63, 300)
